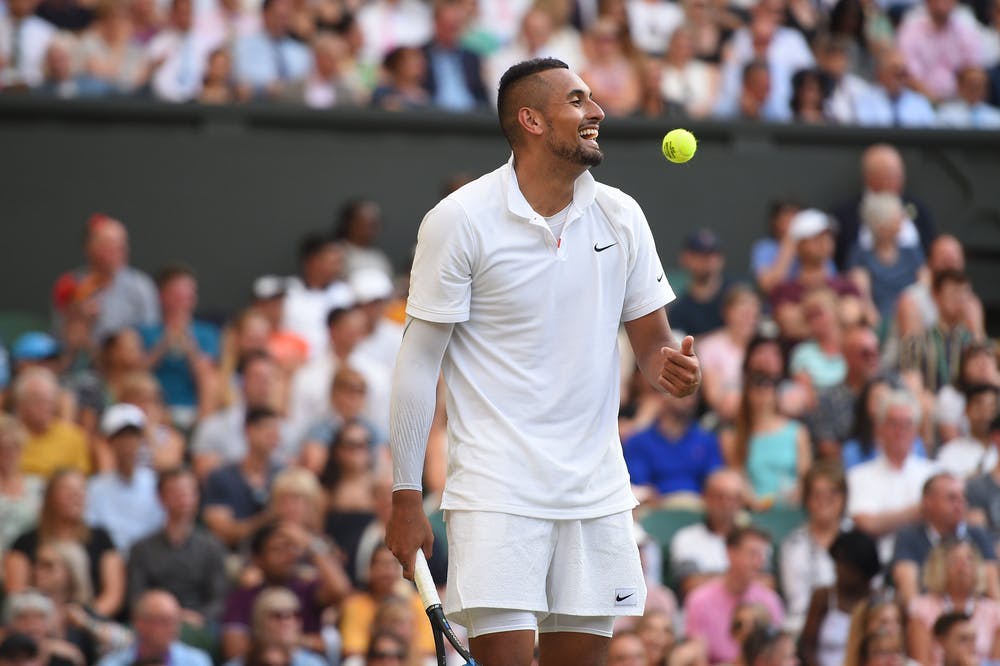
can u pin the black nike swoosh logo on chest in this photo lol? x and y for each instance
(620, 598)
(602, 249)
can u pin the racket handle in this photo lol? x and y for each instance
(425, 584)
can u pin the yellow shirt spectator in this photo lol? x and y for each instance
(62, 444)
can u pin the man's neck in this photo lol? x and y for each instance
(734, 584)
(812, 274)
(671, 427)
(178, 528)
(126, 472)
(704, 289)
(255, 463)
(546, 186)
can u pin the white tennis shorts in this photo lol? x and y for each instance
(587, 568)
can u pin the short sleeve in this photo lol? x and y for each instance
(984, 544)
(646, 285)
(763, 255)
(908, 547)
(215, 489)
(635, 461)
(441, 277)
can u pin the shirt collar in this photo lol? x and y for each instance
(935, 538)
(584, 191)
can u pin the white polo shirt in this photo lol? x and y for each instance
(532, 368)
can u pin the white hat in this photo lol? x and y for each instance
(118, 417)
(808, 223)
(267, 287)
(370, 284)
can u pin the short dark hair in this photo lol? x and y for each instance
(508, 101)
(928, 486)
(759, 641)
(751, 67)
(260, 538)
(168, 475)
(336, 314)
(740, 534)
(941, 278)
(257, 414)
(171, 272)
(857, 549)
(975, 390)
(251, 357)
(312, 244)
(946, 621)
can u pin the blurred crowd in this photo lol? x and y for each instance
(885, 63)
(182, 490)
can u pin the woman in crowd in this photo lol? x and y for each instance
(33, 614)
(62, 519)
(403, 90)
(348, 400)
(277, 623)
(805, 560)
(248, 333)
(656, 631)
(611, 70)
(359, 610)
(880, 613)
(772, 451)
(349, 484)
(110, 54)
(825, 635)
(162, 444)
(689, 83)
(121, 354)
(954, 578)
(20, 495)
(722, 352)
(297, 499)
(808, 97)
(818, 363)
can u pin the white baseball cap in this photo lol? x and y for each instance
(121, 416)
(808, 223)
(370, 284)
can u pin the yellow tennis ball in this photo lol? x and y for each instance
(679, 145)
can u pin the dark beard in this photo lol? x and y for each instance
(576, 154)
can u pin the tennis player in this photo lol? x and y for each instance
(520, 282)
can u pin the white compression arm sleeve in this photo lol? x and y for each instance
(414, 395)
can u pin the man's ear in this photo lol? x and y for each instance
(530, 120)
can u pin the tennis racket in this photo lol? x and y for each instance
(439, 623)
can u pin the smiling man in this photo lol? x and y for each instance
(520, 282)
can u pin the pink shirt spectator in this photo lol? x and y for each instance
(934, 55)
(985, 619)
(709, 612)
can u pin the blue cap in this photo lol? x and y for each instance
(703, 241)
(35, 346)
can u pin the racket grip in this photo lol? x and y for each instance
(425, 584)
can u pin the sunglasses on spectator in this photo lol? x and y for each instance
(387, 655)
(283, 613)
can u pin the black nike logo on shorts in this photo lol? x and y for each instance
(602, 249)
(620, 598)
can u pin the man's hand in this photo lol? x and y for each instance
(680, 374)
(408, 529)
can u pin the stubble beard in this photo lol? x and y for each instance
(576, 154)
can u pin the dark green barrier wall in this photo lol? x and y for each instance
(230, 190)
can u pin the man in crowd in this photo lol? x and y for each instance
(937, 44)
(454, 77)
(955, 633)
(698, 309)
(983, 491)
(157, 622)
(318, 288)
(52, 443)
(942, 516)
(181, 558)
(973, 454)
(709, 608)
(269, 60)
(123, 499)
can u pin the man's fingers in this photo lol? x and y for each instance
(687, 346)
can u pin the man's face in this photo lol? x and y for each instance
(940, 10)
(980, 410)
(348, 331)
(747, 558)
(959, 644)
(264, 435)
(37, 409)
(816, 249)
(157, 625)
(723, 499)
(861, 353)
(259, 378)
(973, 85)
(897, 432)
(571, 117)
(21, 8)
(944, 505)
(702, 266)
(125, 447)
(278, 556)
(107, 248)
(951, 299)
(626, 651)
(180, 294)
(180, 495)
(326, 265)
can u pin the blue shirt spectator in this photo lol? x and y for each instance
(269, 58)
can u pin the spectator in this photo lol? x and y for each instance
(318, 289)
(454, 73)
(825, 635)
(698, 309)
(862, 445)
(237, 493)
(297, 499)
(831, 422)
(769, 647)
(372, 293)
(163, 447)
(123, 500)
(805, 563)
(864, 31)
(942, 517)
(955, 579)
(119, 295)
(698, 551)
(883, 647)
(146, 20)
(652, 23)
(709, 608)
(385, 580)
(773, 452)
(327, 84)
(772, 258)
(157, 622)
(884, 493)
(686, 81)
(406, 70)
(610, 70)
(386, 647)
(973, 454)
(347, 403)
(977, 366)
(893, 102)
(248, 334)
(671, 460)
(51, 443)
(847, 90)
(62, 81)
(62, 518)
(24, 39)
(387, 24)
(278, 549)
(876, 631)
(30, 620)
(219, 440)
(955, 638)
(817, 363)
(884, 270)
(809, 97)
(182, 350)
(754, 100)
(937, 44)
(626, 649)
(882, 172)
(120, 355)
(722, 352)
(217, 84)
(269, 60)
(277, 621)
(20, 494)
(983, 491)
(970, 109)
(178, 55)
(182, 557)
(934, 355)
(812, 232)
(109, 54)
(358, 224)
